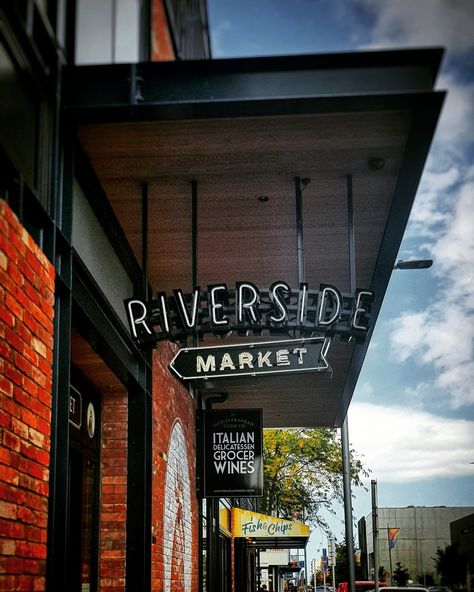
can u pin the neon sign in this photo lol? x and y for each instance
(247, 310)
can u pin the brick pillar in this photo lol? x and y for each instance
(113, 503)
(174, 503)
(26, 341)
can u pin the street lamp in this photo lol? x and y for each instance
(413, 264)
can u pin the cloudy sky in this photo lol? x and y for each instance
(412, 415)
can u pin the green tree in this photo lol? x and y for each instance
(342, 564)
(303, 472)
(451, 566)
(400, 574)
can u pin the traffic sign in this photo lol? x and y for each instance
(252, 359)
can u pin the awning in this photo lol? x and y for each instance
(232, 137)
(269, 532)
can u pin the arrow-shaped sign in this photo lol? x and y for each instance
(252, 359)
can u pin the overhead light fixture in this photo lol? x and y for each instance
(413, 264)
(376, 163)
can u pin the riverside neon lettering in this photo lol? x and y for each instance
(246, 309)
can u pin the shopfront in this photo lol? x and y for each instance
(205, 236)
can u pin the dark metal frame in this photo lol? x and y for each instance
(245, 87)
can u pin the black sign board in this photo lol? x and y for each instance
(231, 453)
(252, 359)
(75, 408)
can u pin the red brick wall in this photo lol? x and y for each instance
(113, 506)
(26, 340)
(161, 44)
(174, 503)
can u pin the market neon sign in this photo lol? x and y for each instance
(247, 309)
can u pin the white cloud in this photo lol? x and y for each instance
(456, 123)
(443, 333)
(457, 381)
(446, 166)
(405, 445)
(219, 32)
(422, 23)
(454, 251)
(365, 390)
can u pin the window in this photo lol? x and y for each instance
(107, 31)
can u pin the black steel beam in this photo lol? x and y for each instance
(58, 510)
(218, 88)
(139, 462)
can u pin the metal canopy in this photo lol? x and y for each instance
(279, 543)
(231, 136)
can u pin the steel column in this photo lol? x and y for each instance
(213, 566)
(346, 460)
(138, 528)
(375, 532)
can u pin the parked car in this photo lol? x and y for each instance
(410, 588)
(360, 586)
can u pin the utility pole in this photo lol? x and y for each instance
(375, 532)
(346, 468)
(332, 560)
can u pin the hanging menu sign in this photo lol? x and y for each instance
(232, 454)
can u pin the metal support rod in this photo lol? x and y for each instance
(194, 243)
(113, 18)
(375, 532)
(346, 474)
(144, 187)
(194, 231)
(305, 566)
(346, 462)
(259, 575)
(299, 230)
(351, 235)
(213, 565)
(389, 552)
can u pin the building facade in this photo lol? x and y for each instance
(135, 169)
(422, 531)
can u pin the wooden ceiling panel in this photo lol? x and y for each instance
(233, 162)
(199, 148)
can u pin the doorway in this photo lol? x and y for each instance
(83, 486)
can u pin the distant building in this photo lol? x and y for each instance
(422, 531)
(462, 533)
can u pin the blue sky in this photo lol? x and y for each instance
(412, 415)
